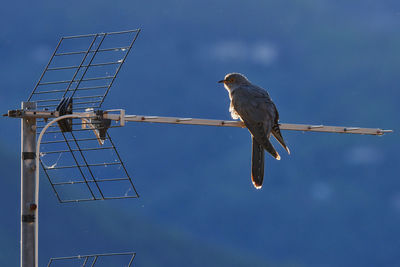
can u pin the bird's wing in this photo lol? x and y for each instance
(256, 110)
(259, 93)
(255, 105)
(276, 131)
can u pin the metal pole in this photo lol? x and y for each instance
(284, 126)
(28, 189)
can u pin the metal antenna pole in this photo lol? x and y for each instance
(28, 189)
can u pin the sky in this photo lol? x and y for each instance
(335, 201)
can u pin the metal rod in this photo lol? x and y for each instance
(76, 103)
(78, 130)
(223, 123)
(74, 123)
(79, 36)
(109, 33)
(130, 262)
(58, 100)
(86, 66)
(121, 48)
(70, 140)
(91, 199)
(209, 122)
(83, 166)
(86, 259)
(75, 81)
(122, 32)
(93, 255)
(82, 149)
(92, 181)
(94, 261)
(70, 90)
(29, 208)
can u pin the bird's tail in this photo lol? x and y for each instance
(263, 139)
(276, 132)
(257, 164)
(270, 148)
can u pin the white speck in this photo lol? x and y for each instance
(126, 193)
(123, 49)
(52, 166)
(120, 61)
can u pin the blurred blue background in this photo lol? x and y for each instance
(335, 201)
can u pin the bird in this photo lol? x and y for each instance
(253, 105)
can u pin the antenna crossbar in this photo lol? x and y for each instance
(228, 123)
(122, 118)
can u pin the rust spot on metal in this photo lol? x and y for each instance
(32, 206)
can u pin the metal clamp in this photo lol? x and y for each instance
(28, 155)
(65, 107)
(121, 115)
(28, 218)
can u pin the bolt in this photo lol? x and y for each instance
(33, 166)
(32, 206)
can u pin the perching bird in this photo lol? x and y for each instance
(253, 105)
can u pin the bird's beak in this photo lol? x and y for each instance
(221, 81)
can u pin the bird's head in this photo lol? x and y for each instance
(233, 80)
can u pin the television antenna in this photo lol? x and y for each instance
(70, 92)
(109, 259)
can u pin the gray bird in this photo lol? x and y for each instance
(253, 105)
